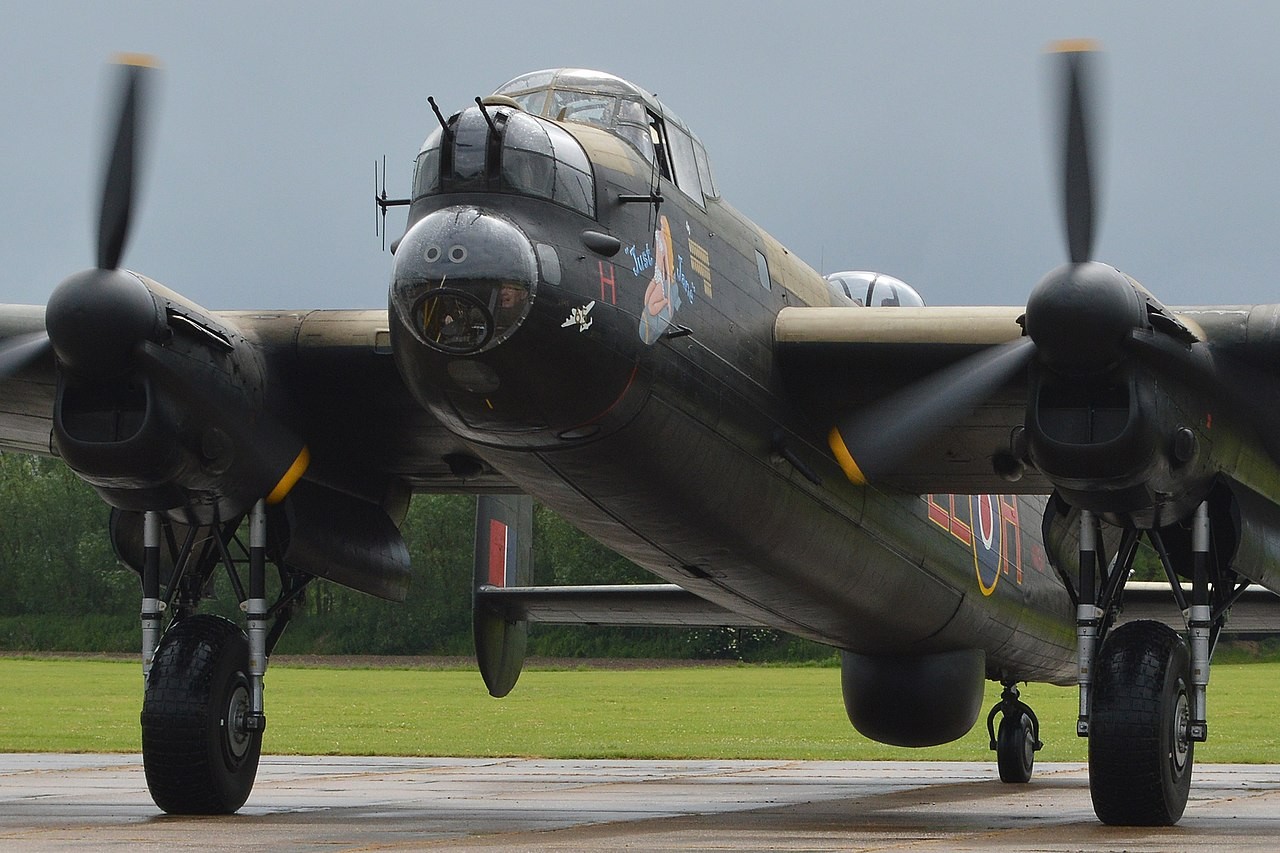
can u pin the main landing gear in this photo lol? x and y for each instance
(1142, 685)
(202, 712)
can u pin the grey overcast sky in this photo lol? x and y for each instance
(907, 137)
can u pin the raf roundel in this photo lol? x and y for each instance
(986, 542)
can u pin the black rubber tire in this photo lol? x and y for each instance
(1016, 748)
(195, 760)
(1140, 751)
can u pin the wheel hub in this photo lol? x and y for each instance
(236, 729)
(1181, 732)
(1028, 742)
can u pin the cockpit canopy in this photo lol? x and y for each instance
(517, 142)
(625, 110)
(588, 97)
(863, 288)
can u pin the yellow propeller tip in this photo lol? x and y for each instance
(1073, 46)
(291, 477)
(845, 458)
(138, 60)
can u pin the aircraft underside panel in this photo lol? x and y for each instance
(750, 534)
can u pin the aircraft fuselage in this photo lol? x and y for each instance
(632, 388)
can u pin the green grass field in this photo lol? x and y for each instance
(715, 712)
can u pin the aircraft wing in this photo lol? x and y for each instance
(838, 361)
(353, 408)
(335, 368)
(26, 393)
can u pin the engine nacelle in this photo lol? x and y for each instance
(1119, 444)
(187, 425)
(923, 700)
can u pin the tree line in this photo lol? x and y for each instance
(62, 589)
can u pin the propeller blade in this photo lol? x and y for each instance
(20, 350)
(1077, 177)
(123, 164)
(873, 442)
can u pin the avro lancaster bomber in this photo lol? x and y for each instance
(576, 316)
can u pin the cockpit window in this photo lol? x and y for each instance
(633, 126)
(533, 102)
(888, 292)
(533, 80)
(626, 110)
(587, 108)
(685, 165)
(704, 170)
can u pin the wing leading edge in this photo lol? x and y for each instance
(838, 361)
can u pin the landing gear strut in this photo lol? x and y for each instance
(202, 711)
(1142, 685)
(1018, 739)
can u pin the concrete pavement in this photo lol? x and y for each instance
(55, 802)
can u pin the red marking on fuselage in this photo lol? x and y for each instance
(937, 514)
(945, 517)
(1038, 559)
(608, 279)
(992, 510)
(1009, 533)
(497, 553)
